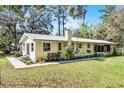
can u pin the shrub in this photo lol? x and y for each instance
(88, 51)
(28, 62)
(114, 53)
(5, 50)
(69, 52)
(95, 54)
(40, 59)
(16, 54)
(78, 56)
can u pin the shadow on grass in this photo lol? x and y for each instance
(100, 59)
(2, 55)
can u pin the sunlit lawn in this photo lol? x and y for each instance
(108, 72)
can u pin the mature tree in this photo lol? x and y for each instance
(11, 18)
(38, 20)
(60, 15)
(113, 27)
(85, 31)
(107, 11)
(15, 20)
(77, 11)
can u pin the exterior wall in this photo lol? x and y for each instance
(112, 46)
(32, 53)
(38, 48)
(108, 53)
(54, 48)
(83, 50)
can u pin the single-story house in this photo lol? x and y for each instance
(37, 45)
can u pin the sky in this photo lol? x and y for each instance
(93, 14)
(92, 17)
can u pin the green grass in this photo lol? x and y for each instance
(108, 72)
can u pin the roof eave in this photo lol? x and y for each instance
(23, 37)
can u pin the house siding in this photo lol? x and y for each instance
(83, 50)
(38, 48)
(32, 53)
(54, 48)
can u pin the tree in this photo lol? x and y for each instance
(37, 21)
(112, 27)
(77, 11)
(107, 11)
(15, 20)
(85, 31)
(61, 15)
(10, 19)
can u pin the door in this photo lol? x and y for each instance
(28, 49)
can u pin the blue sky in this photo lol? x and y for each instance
(93, 14)
(92, 17)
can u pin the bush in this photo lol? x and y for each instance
(40, 59)
(5, 50)
(16, 54)
(78, 56)
(26, 60)
(114, 53)
(88, 51)
(69, 52)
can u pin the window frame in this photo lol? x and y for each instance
(88, 45)
(108, 48)
(46, 48)
(32, 47)
(72, 44)
(23, 47)
(80, 45)
(59, 46)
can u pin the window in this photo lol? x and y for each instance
(88, 45)
(59, 46)
(108, 48)
(102, 48)
(95, 48)
(80, 45)
(99, 48)
(32, 46)
(72, 45)
(23, 47)
(46, 46)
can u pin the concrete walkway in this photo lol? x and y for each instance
(15, 62)
(1, 52)
(18, 64)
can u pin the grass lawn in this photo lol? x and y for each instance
(108, 72)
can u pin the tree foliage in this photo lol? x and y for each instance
(17, 19)
(112, 27)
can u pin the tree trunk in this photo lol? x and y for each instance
(15, 36)
(59, 19)
(63, 24)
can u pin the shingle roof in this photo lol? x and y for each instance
(61, 38)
